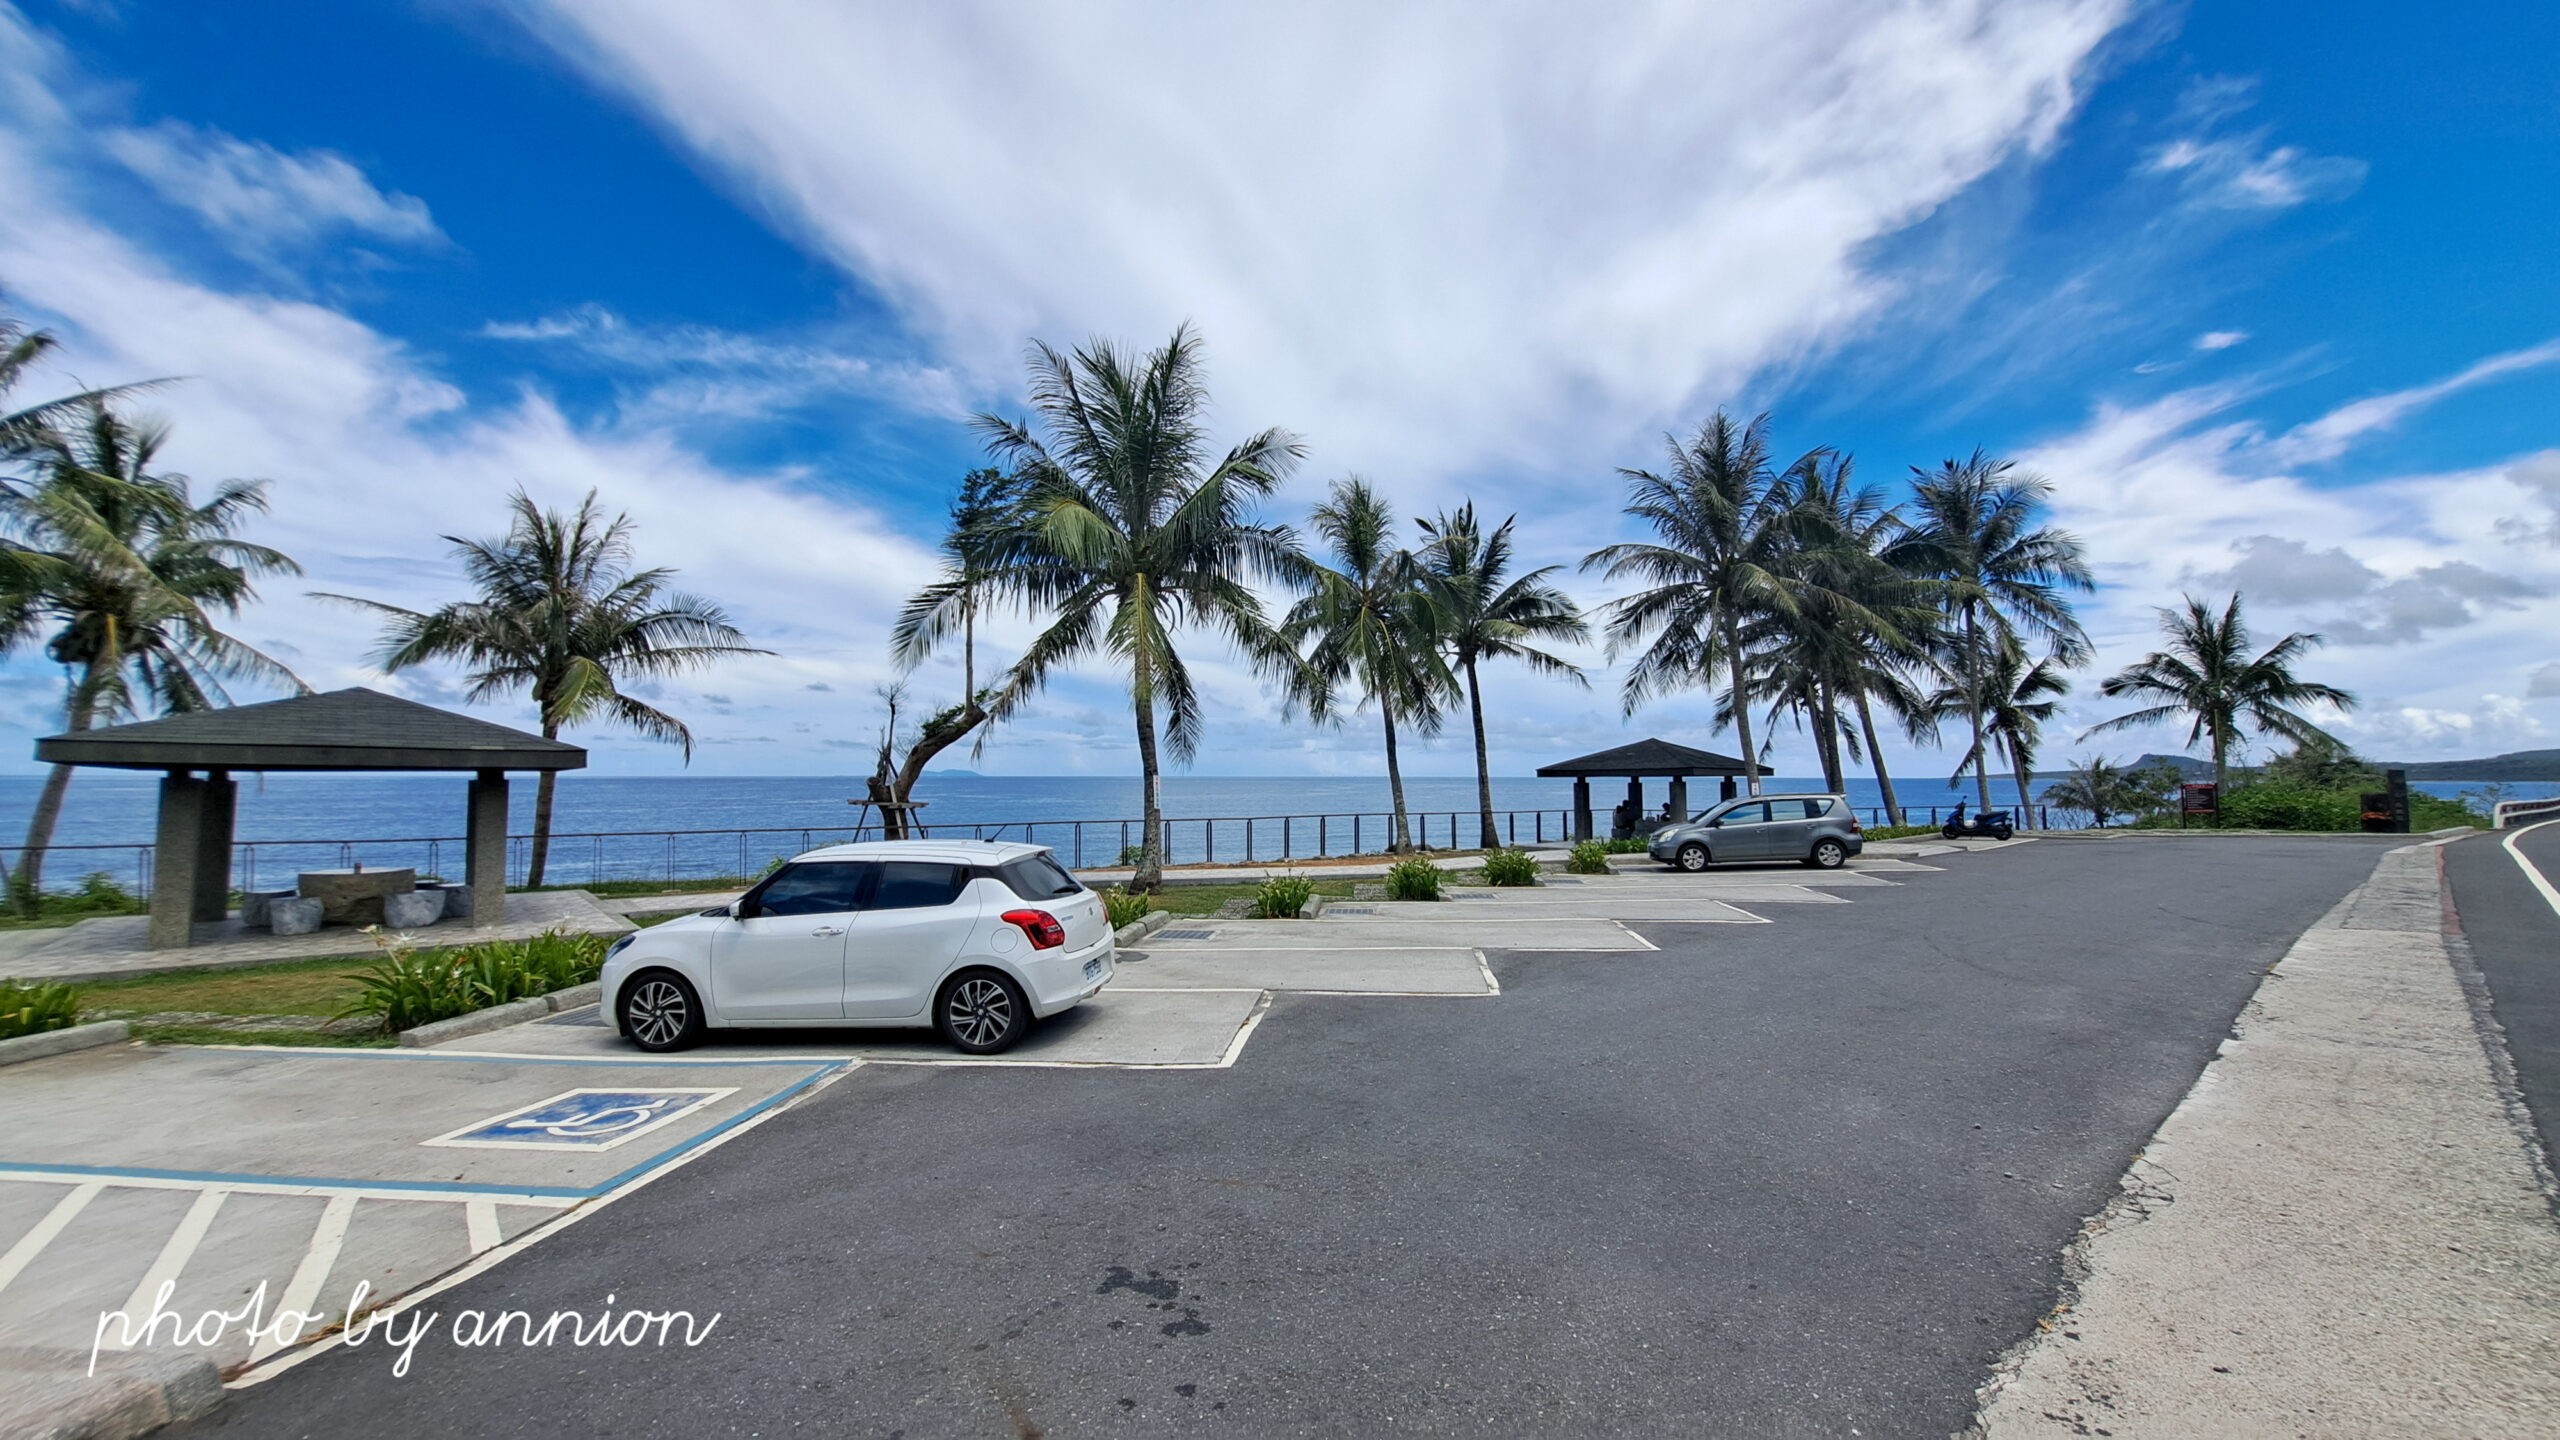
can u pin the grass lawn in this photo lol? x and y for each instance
(300, 987)
(209, 1035)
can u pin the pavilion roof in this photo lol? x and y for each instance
(1650, 757)
(353, 729)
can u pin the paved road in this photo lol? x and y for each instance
(1801, 1177)
(2515, 940)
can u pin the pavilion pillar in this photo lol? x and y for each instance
(1635, 807)
(485, 847)
(1581, 807)
(213, 846)
(1679, 797)
(1726, 791)
(177, 854)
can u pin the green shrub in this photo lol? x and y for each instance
(34, 1009)
(408, 987)
(1632, 845)
(1283, 896)
(1132, 856)
(1414, 880)
(1509, 867)
(1588, 858)
(2282, 805)
(1122, 908)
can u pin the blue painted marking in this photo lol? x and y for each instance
(559, 1192)
(586, 1119)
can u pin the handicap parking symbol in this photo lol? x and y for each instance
(582, 1120)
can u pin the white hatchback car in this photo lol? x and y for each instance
(975, 938)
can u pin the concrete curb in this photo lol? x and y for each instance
(576, 995)
(496, 1017)
(48, 1394)
(1142, 927)
(64, 1041)
(1313, 908)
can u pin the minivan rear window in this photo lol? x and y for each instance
(1038, 877)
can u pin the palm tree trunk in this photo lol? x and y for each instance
(2026, 803)
(1395, 781)
(1741, 706)
(1973, 709)
(1827, 722)
(2220, 744)
(26, 887)
(1150, 876)
(1875, 752)
(1492, 839)
(542, 816)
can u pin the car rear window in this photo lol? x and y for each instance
(1815, 809)
(917, 885)
(1038, 877)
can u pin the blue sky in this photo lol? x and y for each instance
(2264, 289)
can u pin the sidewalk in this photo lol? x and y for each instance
(115, 946)
(2341, 1230)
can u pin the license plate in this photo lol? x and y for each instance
(1092, 967)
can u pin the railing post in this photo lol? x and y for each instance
(1079, 838)
(1287, 852)
(1355, 832)
(1209, 839)
(1248, 839)
(1324, 823)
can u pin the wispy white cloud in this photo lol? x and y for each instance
(2220, 339)
(2241, 172)
(2329, 436)
(263, 198)
(1426, 237)
(700, 370)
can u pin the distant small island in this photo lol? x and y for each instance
(953, 775)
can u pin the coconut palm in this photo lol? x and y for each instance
(1482, 618)
(2000, 575)
(2104, 790)
(560, 613)
(2206, 675)
(129, 576)
(989, 503)
(1719, 563)
(1369, 622)
(1132, 529)
(2017, 697)
(29, 433)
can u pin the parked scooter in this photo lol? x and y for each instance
(1994, 823)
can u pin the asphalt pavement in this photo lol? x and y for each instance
(2514, 938)
(1802, 1177)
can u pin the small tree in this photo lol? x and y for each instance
(2207, 675)
(989, 504)
(2102, 789)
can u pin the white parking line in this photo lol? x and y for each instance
(172, 1263)
(480, 1221)
(32, 1244)
(303, 1290)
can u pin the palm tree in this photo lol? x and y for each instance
(559, 612)
(2000, 574)
(2016, 699)
(1481, 618)
(2094, 785)
(988, 504)
(2206, 674)
(1718, 565)
(1373, 624)
(1132, 529)
(30, 433)
(129, 574)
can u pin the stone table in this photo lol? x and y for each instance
(354, 897)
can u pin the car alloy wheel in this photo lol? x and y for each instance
(659, 1013)
(982, 1013)
(1829, 855)
(1693, 856)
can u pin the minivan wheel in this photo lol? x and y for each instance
(982, 1012)
(1828, 855)
(1693, 856)
(660, 1012)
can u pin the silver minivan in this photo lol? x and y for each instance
(1816, 830)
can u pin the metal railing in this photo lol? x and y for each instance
(595, 856)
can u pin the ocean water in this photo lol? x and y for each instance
(633, 827)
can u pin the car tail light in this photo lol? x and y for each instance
(1043, 928)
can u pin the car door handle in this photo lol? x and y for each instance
(828, 930)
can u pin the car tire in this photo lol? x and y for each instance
(981, 1012)
(2001, 832)
(660, 1012)
(1693, 857)
(1828, 855)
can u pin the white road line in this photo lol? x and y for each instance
(32, 1244)
(303, 1290)
(1649, 945)
(2532, 872)
(1491, 985)
(480, 1222)
(172, 1263)
(263, 1187)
